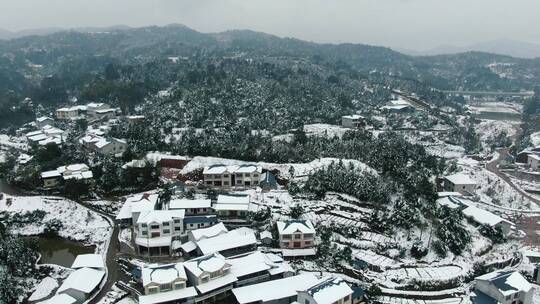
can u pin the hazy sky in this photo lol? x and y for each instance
(414, 24)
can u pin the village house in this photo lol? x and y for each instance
(256, 267)
(211, 276)
(156, 230)
(502, 286)
(222, 176)
(90, 260)
(208, 232)
(103, 114)
(76, 171)
(44, 121)
(46, 135)
(296, 234)
(93, 108)
(352, 121)
(70, 113)
(135, 119)
(328, 290)
(102, 145)
(398, 106)
(533, 161)
(165, 284)
(233, 242)
(233, 209)
(276, 291)
(459, 183)
(268, 181)
(82, 283)
(199, 221)
(135, 205)
(192, 206)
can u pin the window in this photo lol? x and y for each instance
(191, 225)
(205, 279)
(306, 301)
(144, 233)
(165, 287)
(225, 183)
(155, 234)
(177, 228)
(347, 298)
(179, 285)
(154, 226)
(177, 221)
(166, 231)
(225, 175)
(307, 243)
(144, 225)
(152, 290)
(297, 236)
(308, 236)
(166, 224)
(209, 183)
(286, 237)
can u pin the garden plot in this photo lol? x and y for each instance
(324, 130)
(396, 300)
(77, 222)
(441, 273)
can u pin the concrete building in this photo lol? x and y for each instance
(327, 290)
(504, 287)
(352, 121)
(165, 284)
(533, 161)
(460, 183)
(222, 176)
(296, 234)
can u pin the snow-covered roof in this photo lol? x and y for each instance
(449, 202)
(208, 232)
(43, 118)
(96, 105)
(160, 216)
(189, 204)
(50, 174)
(232, 169)
(256, 262)
(226, 241)
(188, 246)
(534, 156)
(161, 241)
(227, 200)
(137, 203)
(274, 290)
(301, 252)
(482, 216)
(60, 299)
(88, 260)
(507, 282)
(231, 207)
(448, 193)
(460, 179)
(329, 290)
(292, 226)
(168, 296)
(266, 235)
(353, 116)
(161, 274)
(216, 283)
(208, 263)
(83, 279)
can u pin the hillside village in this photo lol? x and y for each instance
(202, 229)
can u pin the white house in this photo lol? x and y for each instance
(222, 176)
(211, 276)
(135, 205)
(156, 229)
(277, 291)
(233, 209)
(233, 242)
(484, 217)
(352, 121)
(164, 284)
(503, 286)
(67, 113)
(459, 183)
(328, 290)
(256, 267)
(533, 161)
(44, 121)
(398, 106)
(192, 207)
(93, 108)
(81, 283)
(296, 234)
(111, 146)
(76, 171)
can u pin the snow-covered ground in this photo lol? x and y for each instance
(535, 139)
(78, 222)
(13, 142)
(488, 130)
(300, 169)
(325, 130)
(44, 289)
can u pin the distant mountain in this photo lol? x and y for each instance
(5, 34)
(514, 48)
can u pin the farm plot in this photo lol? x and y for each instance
(425, 273)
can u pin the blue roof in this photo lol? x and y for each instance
(200, 219)
(358, 292)
(482, 298)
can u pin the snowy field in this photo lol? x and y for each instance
(325, 130)
(13, 142)
(79, 223)
(535, 139)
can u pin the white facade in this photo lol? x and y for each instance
(533, 161)
(157, 229)
(459, 183)
(505, 287)
(223, 176)
(352, 121)
(296, 234)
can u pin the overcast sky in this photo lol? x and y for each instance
(413, 24)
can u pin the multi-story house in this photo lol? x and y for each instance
(256, 267)
(93, 108)
(192, 207)
(155, 231)
(352, 121)
(222, 176)
(233, 209)
(135, 205)
(504, 287)
(327, 290)
(296, 234)
(165, 284)
(211, 276)
(459, 183)
(67, 113)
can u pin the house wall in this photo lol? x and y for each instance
(148, 289)
(532, 163)
(461, 188)
(350, 122)
(305, 298)
(114, 147)
(67, 114)
(301, 240)
(492, 291)
(50, 182)
(225, 180)
(173, 229)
